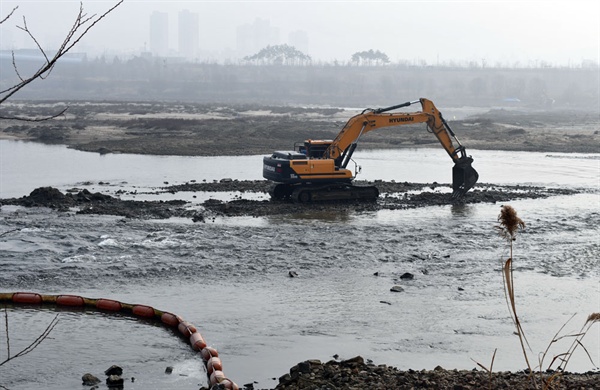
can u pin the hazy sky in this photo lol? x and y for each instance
(557, 32)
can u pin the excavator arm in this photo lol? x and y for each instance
(341, 149)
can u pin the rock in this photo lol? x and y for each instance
(304, 367)
(113, 370)
(357, 360)
(115, 381)
(89, 380)
(198, 218)
(407, 276)
(285, 379)
(47, 196)
(396, 289)
(103, 150)
(169, 370)
(292, 274)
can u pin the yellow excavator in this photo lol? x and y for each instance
(316, 169)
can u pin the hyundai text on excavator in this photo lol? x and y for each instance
(316, 169)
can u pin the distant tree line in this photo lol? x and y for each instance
(279, 55)
(282, 74)
(151, 78)
(289, 55)
(370, 57)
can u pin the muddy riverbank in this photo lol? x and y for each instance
(212, 129)
(396, 196)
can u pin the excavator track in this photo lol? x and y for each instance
(323, 192)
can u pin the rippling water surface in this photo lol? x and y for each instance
(230, 277)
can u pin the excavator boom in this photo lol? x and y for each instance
(318, 169)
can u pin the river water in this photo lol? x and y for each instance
(229, 276)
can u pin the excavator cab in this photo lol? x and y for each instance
(313, 148)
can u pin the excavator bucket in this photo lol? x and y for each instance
(464, 177)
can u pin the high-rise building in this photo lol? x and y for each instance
(299, 39)
(251, 38)
(189, 34)
(159, 33)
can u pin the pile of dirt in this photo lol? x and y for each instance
(47, 197)
(85, 202)
(397, 196)
(355, 374)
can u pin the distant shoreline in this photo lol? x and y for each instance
(212, 130)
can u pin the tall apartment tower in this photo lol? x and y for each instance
(189, 34)
(299, 39)
(159, 33)
(251, 38)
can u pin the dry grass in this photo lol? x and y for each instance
(509, 225)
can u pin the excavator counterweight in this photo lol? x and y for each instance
(316, 170)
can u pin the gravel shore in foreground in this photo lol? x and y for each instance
(356, 374)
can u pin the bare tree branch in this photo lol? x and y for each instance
(81, 26)
(14, 63)
(45, 118)
(9, 15)
(6, 327)
(31, 346)
(26, 29)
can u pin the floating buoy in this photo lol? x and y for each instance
(69, 300)
(108, 304)
(208, 352)
(143, 311)
(186, 329)
(23, 297)
(214, 363)
(217, 376)
(229, 384)
(210, 355)
(197, 341)
(170, 319)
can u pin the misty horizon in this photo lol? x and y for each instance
(509, 34)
